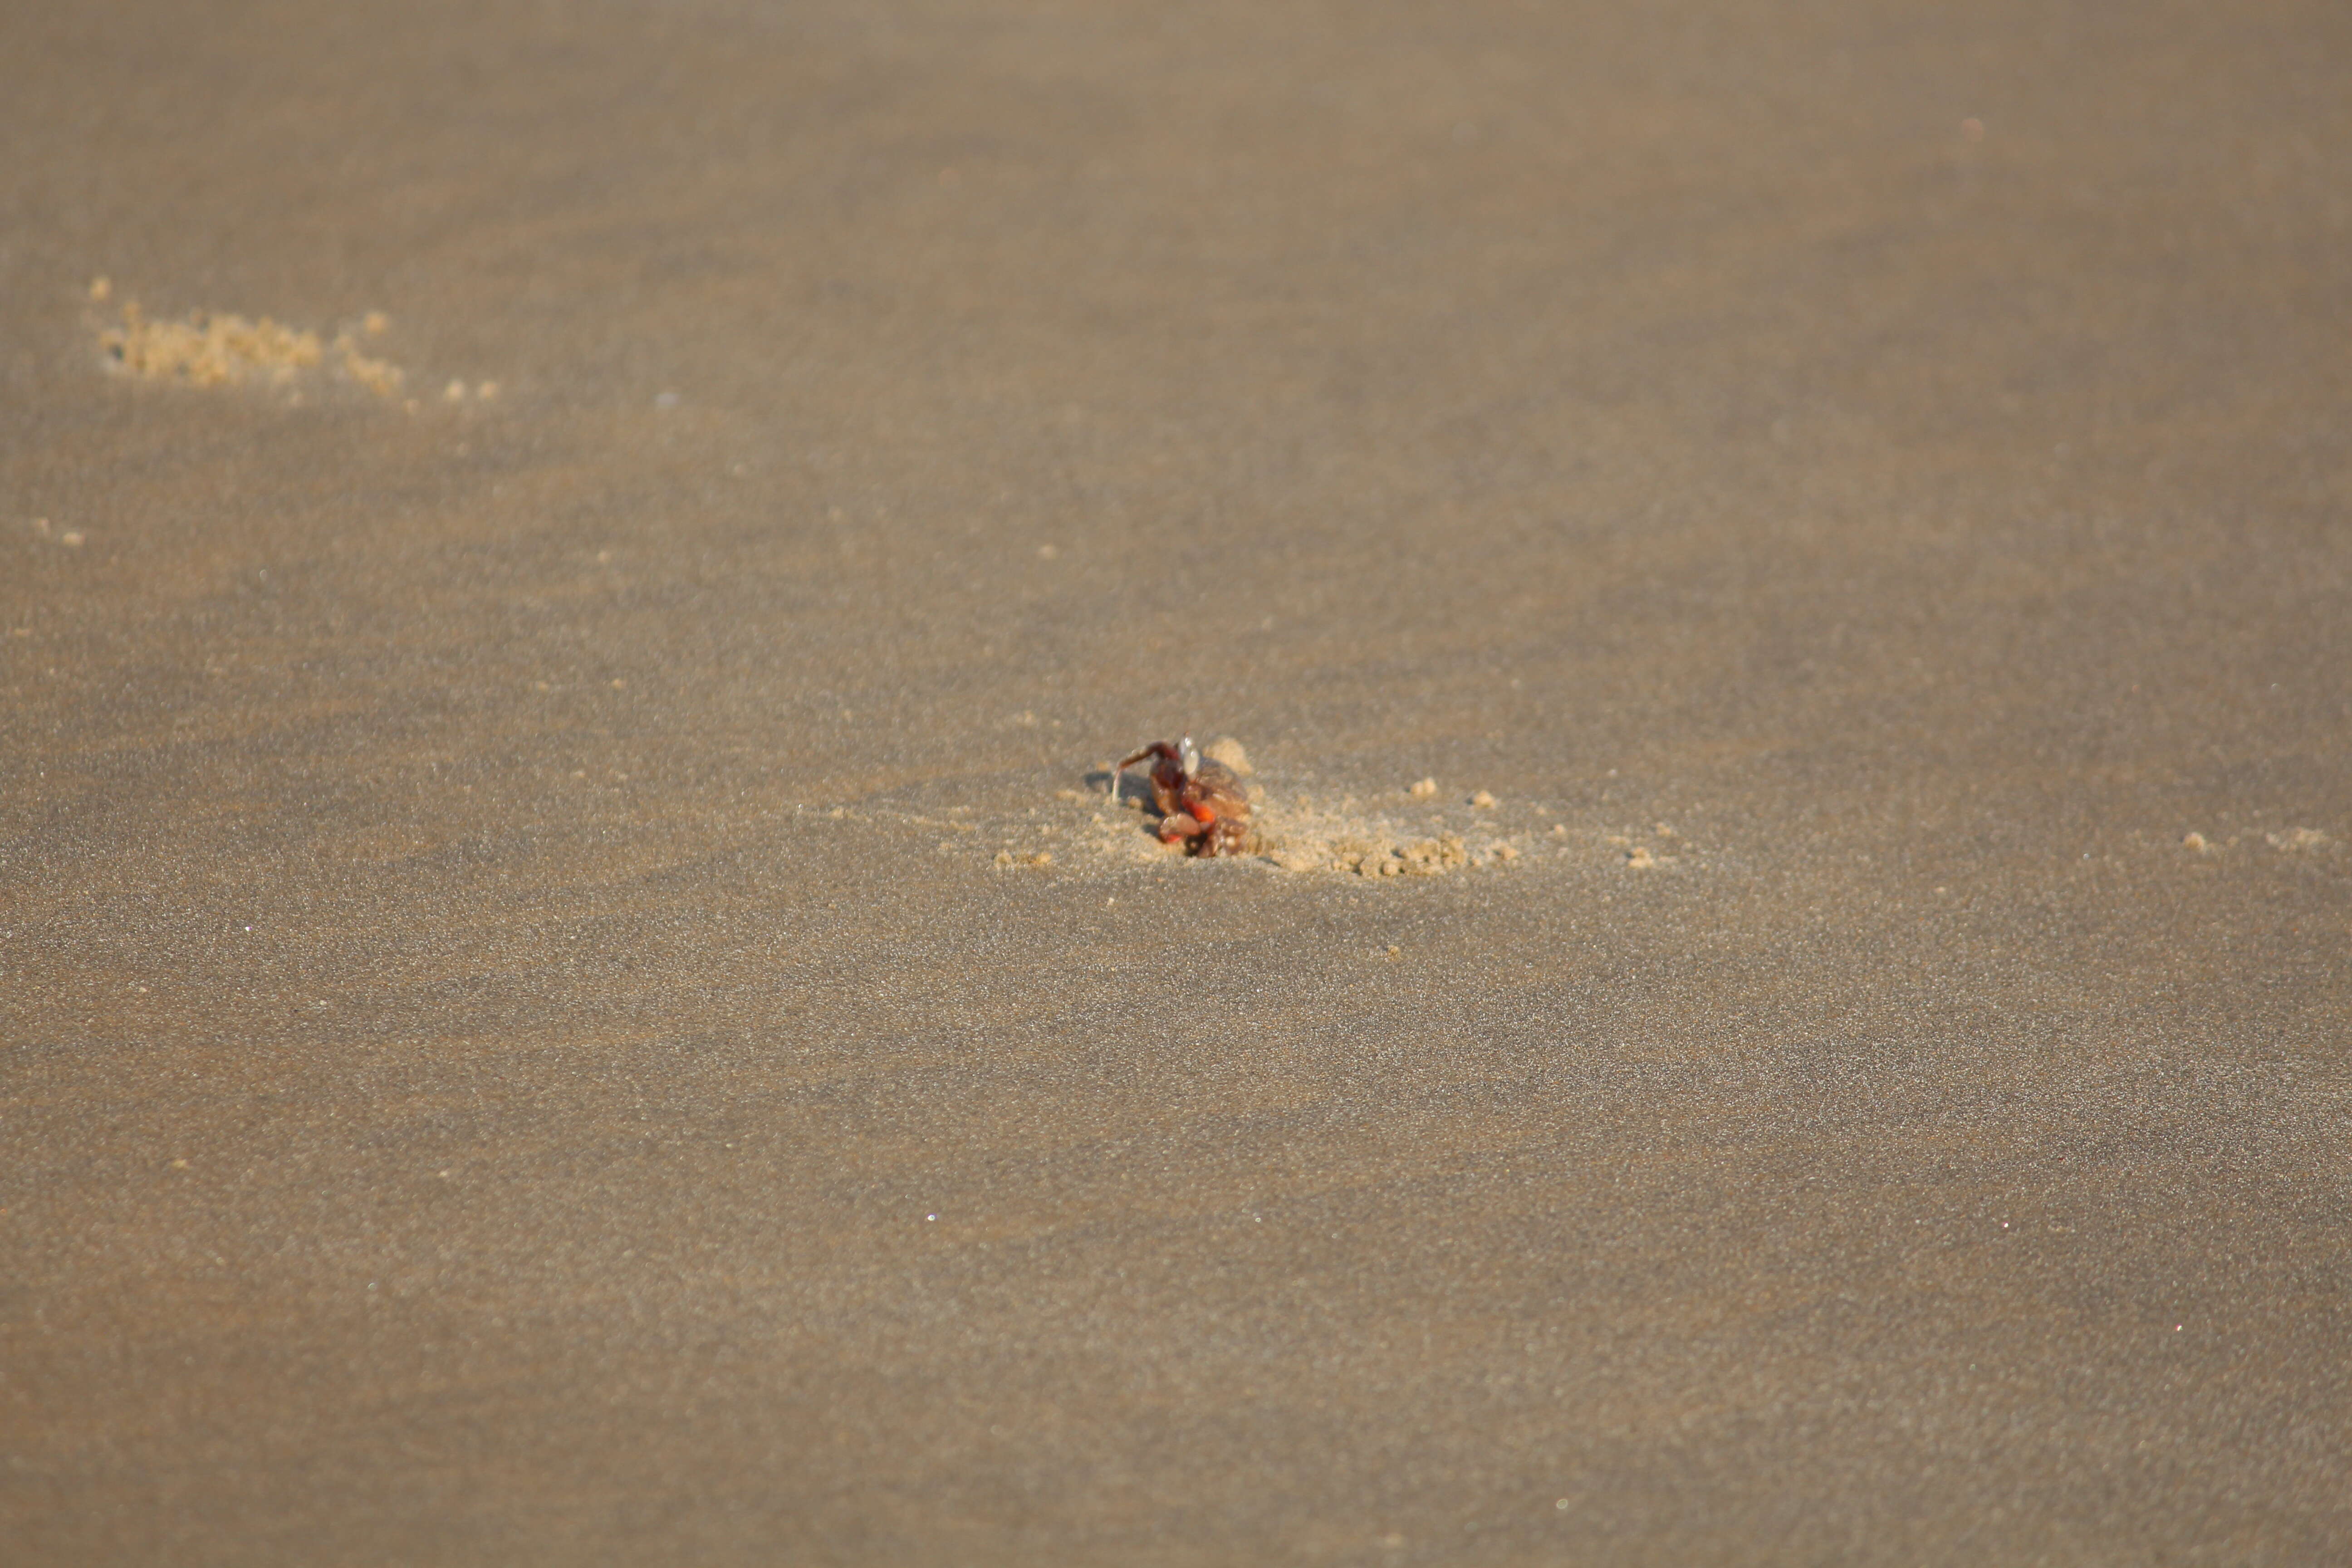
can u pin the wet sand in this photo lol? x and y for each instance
(566, 995)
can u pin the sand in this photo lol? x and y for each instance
(570, 991)
(221, 348)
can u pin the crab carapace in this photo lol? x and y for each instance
(1201, 802)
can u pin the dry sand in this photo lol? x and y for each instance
(517, 1043)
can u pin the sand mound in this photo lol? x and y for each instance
(1300, 833)
(209, 349)
(219, 348)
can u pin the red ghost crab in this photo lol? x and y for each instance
(1201, 802)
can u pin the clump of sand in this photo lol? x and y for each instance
(210, 348)
(380, 376)
(219, 348)
(1224, 749)
(1301, 834)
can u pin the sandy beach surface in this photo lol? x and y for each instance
(570, 988)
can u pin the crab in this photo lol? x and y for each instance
(1201, 802)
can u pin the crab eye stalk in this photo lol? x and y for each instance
(1187, 758)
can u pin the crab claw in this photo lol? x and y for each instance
(1185, 823)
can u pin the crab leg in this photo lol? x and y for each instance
(1157, 748)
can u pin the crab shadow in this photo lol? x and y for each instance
(1130, 789)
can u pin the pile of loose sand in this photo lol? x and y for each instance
(209, 349)
(218, 348)
(1302, 834)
